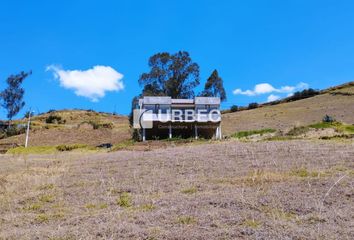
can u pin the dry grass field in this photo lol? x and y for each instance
(222, 190)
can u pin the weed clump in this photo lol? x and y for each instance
(125, 200)
(42, 218)
(48, 198)
(186, 220)
(252, 223)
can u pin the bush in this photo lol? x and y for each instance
(12, 130)
(304, 94)
(64, 148)
(253, 105)
(54, 119)
(296, 131)
(97, 125)
(234, 108)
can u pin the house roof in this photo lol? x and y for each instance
(169, 100)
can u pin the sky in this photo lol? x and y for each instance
(89, 54)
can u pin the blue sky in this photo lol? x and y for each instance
(280, 43)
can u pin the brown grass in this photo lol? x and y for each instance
(228, 190)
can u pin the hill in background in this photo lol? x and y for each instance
(93, 128)
(337, 102)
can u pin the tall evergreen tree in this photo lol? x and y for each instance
(174, 75)
(214, 87)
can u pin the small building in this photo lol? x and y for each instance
(165, 117)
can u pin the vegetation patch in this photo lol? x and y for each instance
(303, 173)
(186, 220)
(99, 125)
(279, 213)
(33, 150)
(243, 134)
(251, 223)
(190, 190)
(33, 207)
(123, 145)
(47, 198)
(55, 119)
(64, 147)
(42, 218)
(339, 127)
(125, 200)
(147, 207)
(296, 131)
(90, 206)
(46, 187)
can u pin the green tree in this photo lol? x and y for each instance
(174, 75)
(12, 96)
(214, 87)
(234, 108)
(253, 105)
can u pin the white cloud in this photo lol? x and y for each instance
(272, 98)
(92, 83)
(264, 88)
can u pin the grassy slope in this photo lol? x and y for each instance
(286, 115)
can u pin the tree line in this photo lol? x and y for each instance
(177, 75)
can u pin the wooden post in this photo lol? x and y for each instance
(220, 133)
(196, 131)
(170, 131)
(144, 138)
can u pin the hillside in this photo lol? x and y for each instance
(337, 102)
(74, 127)
(93, 128)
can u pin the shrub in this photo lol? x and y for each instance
(54, 119)
(97, 125)
(13, 130)
(64, 147)
(234, 108)
(253, 105)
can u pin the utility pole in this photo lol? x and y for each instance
(28, 127)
